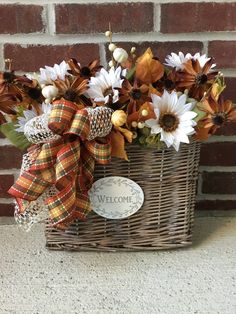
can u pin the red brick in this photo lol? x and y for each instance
(10, 157)
(218, 182)
(94, 18)
(162, 49)
(216, 205)
(218, 154)
(32, 57)
(21, 19)
(229, 92)
(7, 210)
(6, 182)
(197, 17)
(224, 53)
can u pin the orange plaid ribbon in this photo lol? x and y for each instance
(67, 163)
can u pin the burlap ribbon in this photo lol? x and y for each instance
(67, 163)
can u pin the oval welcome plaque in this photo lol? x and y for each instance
(116, 197)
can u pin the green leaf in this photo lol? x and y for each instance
(17, 139)
(200, 114)
(130, 73)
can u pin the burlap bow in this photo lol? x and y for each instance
(68, 163)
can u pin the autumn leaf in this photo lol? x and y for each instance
(118, 145)
(148, 69)
(127, 134)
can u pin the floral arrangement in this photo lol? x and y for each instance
(71, 116)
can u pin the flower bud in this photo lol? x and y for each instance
(120, 55)
(108, 33)
(144, 113)
(111, 63)
(133, 49)
(118, 118)
(49, 91)
(111, 47)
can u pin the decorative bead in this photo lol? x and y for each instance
(135, 135)
(141, 125)
(134, 124)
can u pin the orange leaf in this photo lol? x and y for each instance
(148, 70)
(202, 133)
(127, 134)
(118, 145)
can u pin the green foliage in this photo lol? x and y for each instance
(130, 73)
(16, 138)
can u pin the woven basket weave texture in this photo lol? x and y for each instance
(165, 221)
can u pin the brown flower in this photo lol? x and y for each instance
(217, 114)
(167, 82)
(196, 78)
(11, 83)
(133, 95)
(86, 71)
(72, 89)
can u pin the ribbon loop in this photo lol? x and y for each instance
(65, 163)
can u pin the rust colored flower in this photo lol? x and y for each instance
(167, 82)
(196, 78)
(72, 89)
(217, 114)
(133, 95)
(83, 71)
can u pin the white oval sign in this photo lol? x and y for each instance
(116, 197)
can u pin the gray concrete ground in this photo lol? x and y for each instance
(197, 280)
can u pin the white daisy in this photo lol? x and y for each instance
(30, 114)
(102, 87)
(49, 74)
(174, 119)
(177, 60)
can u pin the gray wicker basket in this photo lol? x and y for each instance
(165, 221)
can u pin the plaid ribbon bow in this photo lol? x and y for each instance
(67, 163)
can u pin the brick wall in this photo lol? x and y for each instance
(49, 31)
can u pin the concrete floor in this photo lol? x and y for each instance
(197, 280)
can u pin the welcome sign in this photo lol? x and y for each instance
(116, 197)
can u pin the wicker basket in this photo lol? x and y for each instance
(165, 221)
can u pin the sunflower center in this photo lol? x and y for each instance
(201, 79)
(169, 122)
(136, 93)
(70, 95)
(219, 118)
(85, 72)
(8, 77)
(34, 93)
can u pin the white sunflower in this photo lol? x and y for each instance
(49, 74)
(103, 87)
(174, 119)
(177, 60)
(30, 114)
